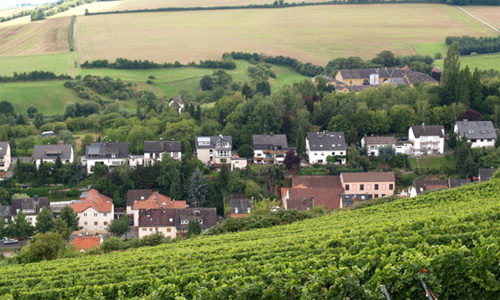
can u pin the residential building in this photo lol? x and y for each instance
(95, 211)
(84, 243)
(206, 216)
(155, 150)
(178, 104)
(477, 133)
(136, 195)
(375, 184)
(155, 201)
(238, 162)
(269, 148)
(421, 186)
(308, 192)
(106, 153)
(239, 205)
(486, 174)
(426, 139)
(374, 143)
(5, 158)
(320, 145)
(29, 206)
(346, 78)
(50, 153)
(156, 220)
(214, 150)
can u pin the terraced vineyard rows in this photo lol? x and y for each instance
(455, 234)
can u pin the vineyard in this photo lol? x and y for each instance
(454, 234)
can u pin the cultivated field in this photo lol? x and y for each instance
(313, 34)
(49, 36)
(489, 14)
(59, 63)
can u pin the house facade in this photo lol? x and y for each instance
(421, 186)
(206, 216)
(5, 158)
(308, 192)
(320, 145)
(108, 154)
(136, 195)
(154, 201)
(239, 206)
(374, 143)
(479, 134)
(95, 211)
(155, 150)
(214, 150)
(426, 139)
(50, 153)
(30, 207)
(378, 76)
(269, 148)
(375, 184)
(160, 220)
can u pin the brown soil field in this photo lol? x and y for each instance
(314, 34)
(48, 36)
(489, 14)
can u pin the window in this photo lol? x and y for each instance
(85, 223)
(383, 195)
(96, 223)
(95, 214)
(200, 221)
(105, 223)
(84, 214)
(346, 187)
(105, 214)
(376, 187)
(211, 151)
(391, 186)
(376, 195)
(185, 221)
(235, 210)
(361, 187)
(150, 229)
(170, 219)
(144, 229)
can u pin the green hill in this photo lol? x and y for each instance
(454, 234)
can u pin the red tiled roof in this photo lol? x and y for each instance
(314, 191)
(368, 177)
(86, 242)
(157, 200)
(316, 181)
(95, 200)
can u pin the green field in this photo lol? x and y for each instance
(60, 63)
(484, 61)
(428, 163)
(430, 49)
(453, 234)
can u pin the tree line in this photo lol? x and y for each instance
(124, 63)
(34, 75)
(480, 45)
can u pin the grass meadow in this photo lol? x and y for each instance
(428, 163)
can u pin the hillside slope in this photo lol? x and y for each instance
(454, 234)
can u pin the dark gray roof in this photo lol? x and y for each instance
(351, 199)
(454, 182)
(365, 73)
(177, 100)
(476, 129)
(218, 141)
(486, 174)
(52, 152)
(269, 142)
(207, 216)
(424, 185)
(428, 130)
(162, 146)
(137, 195)
(5, 212)
(106, 150)
(241, 203)
(413, 77)
(3, 148)
(158, 217)
(29, 206)
(326, 141)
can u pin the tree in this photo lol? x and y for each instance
(194, 228)
(20, 228)
(37, 15)
(2, 227)
(386, 153)
(264, 88)
(39, 120)
(70, 218)
(401, 117)
(292, 160)
(44, 246)
(44, 221)
(119, 227)
(31, 111)
(386, 59)
(206, 83)
(6, 108)
(264, 206)
(62, 228)
(399, 161)
(450, 80)
(197, 189)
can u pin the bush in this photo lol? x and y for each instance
(113, 244)
(153, 239)
(44, 246)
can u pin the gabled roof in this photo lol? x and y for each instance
(314, 191)
(326, 141)
(157, 200)
(107, 150)
(162, 146)
(52, 152)
(207, 142)
(86, 242)
(316, 181)
(269, 142)
(456, 182)
(365, 73)
(95, 200)
(30, 206)
(429, 185)
(348, 177)
(138, 195)
(352, 199)
(428, 130)
(486, 174)
(207, 216)
(380, 140)
(476, 129)
(240, 202)
(3, 148)
(177, 100)
(413, 77)
(159, 217)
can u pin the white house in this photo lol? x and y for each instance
(426, 139)
(95, 211)
(214, 149)
(155, 150)
(30, 207)
(157, 220)
(5, 158)
(154, 201)
(477, 133)
(320, 145)
(178, 104)
(108, 154)
(50, 153)
(374, 143)
(269, 148)
(238, 162)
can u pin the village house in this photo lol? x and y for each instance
(178, 104)
(106, 153)
(238, 162)
(374, 143)
(421, 186)
(84, 243)
(155, 150)
(486, 174)
(374, 184)
(269, 148)
(154, 201)
(320, 145)
(347, 78)
(214, 150)
(136, 195)
(95, 211)
(50, 153)
(426, 139)
(5, 158)
(156, 220)
(477, 133)
(30, 207)
(308, 192)
(239, 205)
(206, 216)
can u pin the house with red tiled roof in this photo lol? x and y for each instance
(155, 201)
(95, 211)
(312, 191)
(84, 243)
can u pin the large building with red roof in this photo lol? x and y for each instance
(95, 211)
(154, 201)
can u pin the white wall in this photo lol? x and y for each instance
(205, 156)
(6, 160)
(168, 231)
(111, 162)
(90, 216)
(421, 146)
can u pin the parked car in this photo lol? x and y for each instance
(10, 241)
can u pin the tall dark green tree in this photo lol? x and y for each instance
(476, 95)
(62, 228)
(70, 218)
(197, 193)
(20, 228)
(119, 227)
(44, 221)
(450, 80)
(194, 228)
